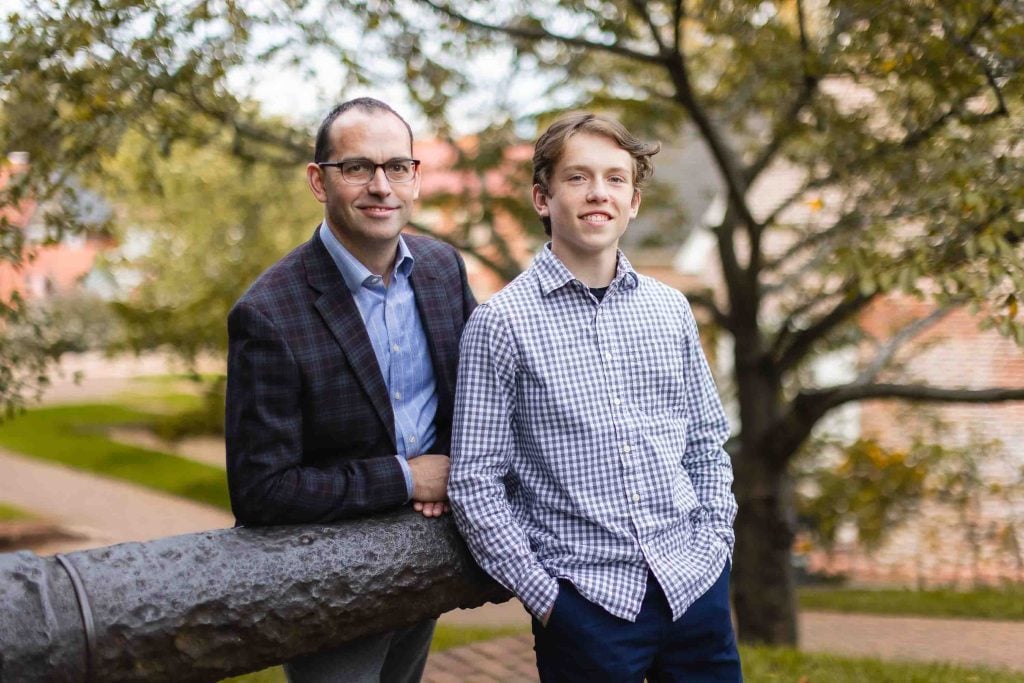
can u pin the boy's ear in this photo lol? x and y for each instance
(634, 204)
(540, 201)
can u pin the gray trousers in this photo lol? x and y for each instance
(394, 657)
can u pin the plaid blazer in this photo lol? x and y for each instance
(309, 425)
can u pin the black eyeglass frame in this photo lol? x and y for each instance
(340, 166)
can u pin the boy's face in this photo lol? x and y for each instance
(590, 198)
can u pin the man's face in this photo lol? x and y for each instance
(365, 217)
(590, 197)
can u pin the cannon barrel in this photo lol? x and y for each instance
(204, 606)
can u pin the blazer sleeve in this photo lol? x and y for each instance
(269, 481)
(468, 300)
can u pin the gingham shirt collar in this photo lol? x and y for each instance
(552, 274)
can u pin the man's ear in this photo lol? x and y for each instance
(634, 204)
(540, 201)
(315, 178)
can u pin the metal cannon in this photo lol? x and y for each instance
(204, 606)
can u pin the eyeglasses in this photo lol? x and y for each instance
(361, 171)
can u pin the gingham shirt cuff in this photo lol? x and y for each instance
(537, 590)
(727, 535)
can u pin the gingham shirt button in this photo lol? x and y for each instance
(626, 448)
(607, 356)
(617, 401)
(636, 497)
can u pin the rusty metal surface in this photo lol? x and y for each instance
(204, 606)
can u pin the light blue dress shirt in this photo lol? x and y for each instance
(399, 342)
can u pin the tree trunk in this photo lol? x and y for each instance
(763, 581)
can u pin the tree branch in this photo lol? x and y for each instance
(541, 33)
(641, 7)
(816, 239)
(887, 351)
(725, 233)
(792, 428)
(830, 398)
(910, 140)
(497, 268)
(735, 181)
(790, 120)
(704, 300)
(678, 17)
(801, 342)
(299, 151)
(966, 45)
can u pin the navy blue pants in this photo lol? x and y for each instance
(583, 642)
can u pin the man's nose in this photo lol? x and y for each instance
(379, 182)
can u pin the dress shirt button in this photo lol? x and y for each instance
(398, 395)
(396, 348)
(636, 497)
(411, 439)
(607, 356)
(617, 401)
(626, 448)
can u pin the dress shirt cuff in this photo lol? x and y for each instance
(537, 590)
(407, 473)
(727, 535)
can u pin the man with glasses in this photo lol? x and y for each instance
(341, 366)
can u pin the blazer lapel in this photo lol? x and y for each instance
(434, 307)
(341, 315)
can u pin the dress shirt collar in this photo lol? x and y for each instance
(355, 273)
(552, 273)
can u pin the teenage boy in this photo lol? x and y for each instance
(588, 472)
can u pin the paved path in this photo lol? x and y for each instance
(962, 641)
(103, 378)
(997, 644)
(100, 511)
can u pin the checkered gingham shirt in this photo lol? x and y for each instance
(587, 442)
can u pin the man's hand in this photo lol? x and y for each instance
(547, 615)
(430, 509)
(429, 484)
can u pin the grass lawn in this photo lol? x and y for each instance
(759, 664)
(10, 513)
(163, 394)
(74, 435)
(989, 603)
(791, 666)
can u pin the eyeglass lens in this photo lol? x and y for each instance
(362, 170)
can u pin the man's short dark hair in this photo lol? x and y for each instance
(368, 104)
(551, 144)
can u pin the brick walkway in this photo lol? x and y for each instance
(503, 660)
(967, 642)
